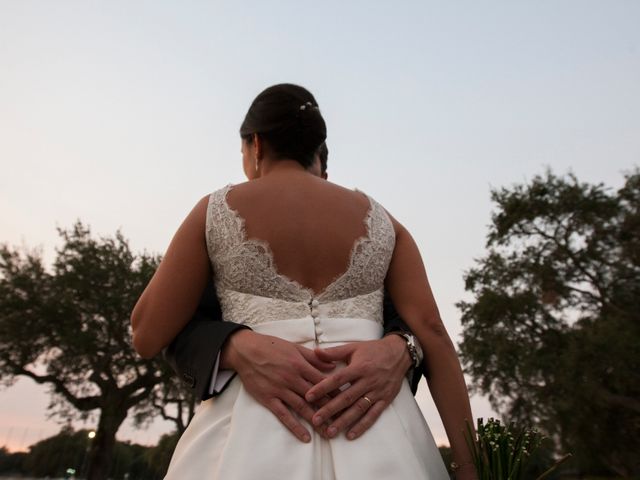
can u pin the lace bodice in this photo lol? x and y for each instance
(251, 291)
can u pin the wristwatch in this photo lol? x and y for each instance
(413, 347)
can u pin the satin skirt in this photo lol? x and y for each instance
(233, 437)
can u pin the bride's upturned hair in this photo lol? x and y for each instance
(287, 117)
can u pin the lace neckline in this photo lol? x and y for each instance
(309, 293)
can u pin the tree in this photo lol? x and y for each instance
(67, 451)
(130, 462)
(158, 457)
(11, 463)
(68, 328)
(553, 329)
(52, 456)
(172, 400)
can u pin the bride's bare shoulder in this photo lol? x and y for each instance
(355, 195)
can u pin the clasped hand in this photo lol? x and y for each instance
(289, 379)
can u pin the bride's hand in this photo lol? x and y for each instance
(375, 369)
(277, 373)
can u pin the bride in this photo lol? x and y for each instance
(302, 261)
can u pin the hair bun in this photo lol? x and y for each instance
(288, 117)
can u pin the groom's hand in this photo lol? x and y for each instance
(277, 373)
(375, 370)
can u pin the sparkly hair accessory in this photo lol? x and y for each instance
(304, 106)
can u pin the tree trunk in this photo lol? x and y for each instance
(102, 446)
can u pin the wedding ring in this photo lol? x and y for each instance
(368, 400)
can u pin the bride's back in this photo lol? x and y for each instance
(309, 224)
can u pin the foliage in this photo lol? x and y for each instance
(552, 331)
(505, 452)
(171, 399)
(130, 461)
(158, 457)
(51, 457)
(69, 329)
(12, 463)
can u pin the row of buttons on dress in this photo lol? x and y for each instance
(314, 304)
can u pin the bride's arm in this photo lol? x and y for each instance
(169, 301)
(409, 288)
(173, 293)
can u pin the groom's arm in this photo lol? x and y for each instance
(394, 323)
(194, 353)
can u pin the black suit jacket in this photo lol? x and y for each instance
(193, 353)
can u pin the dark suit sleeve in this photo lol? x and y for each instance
(193, 353)
(394, 323)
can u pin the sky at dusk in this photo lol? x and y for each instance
(124, 113)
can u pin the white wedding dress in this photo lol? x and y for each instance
(233, 437)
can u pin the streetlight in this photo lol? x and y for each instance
(91, 435)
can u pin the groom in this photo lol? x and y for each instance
(208, 353)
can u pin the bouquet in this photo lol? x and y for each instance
(501, 452)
